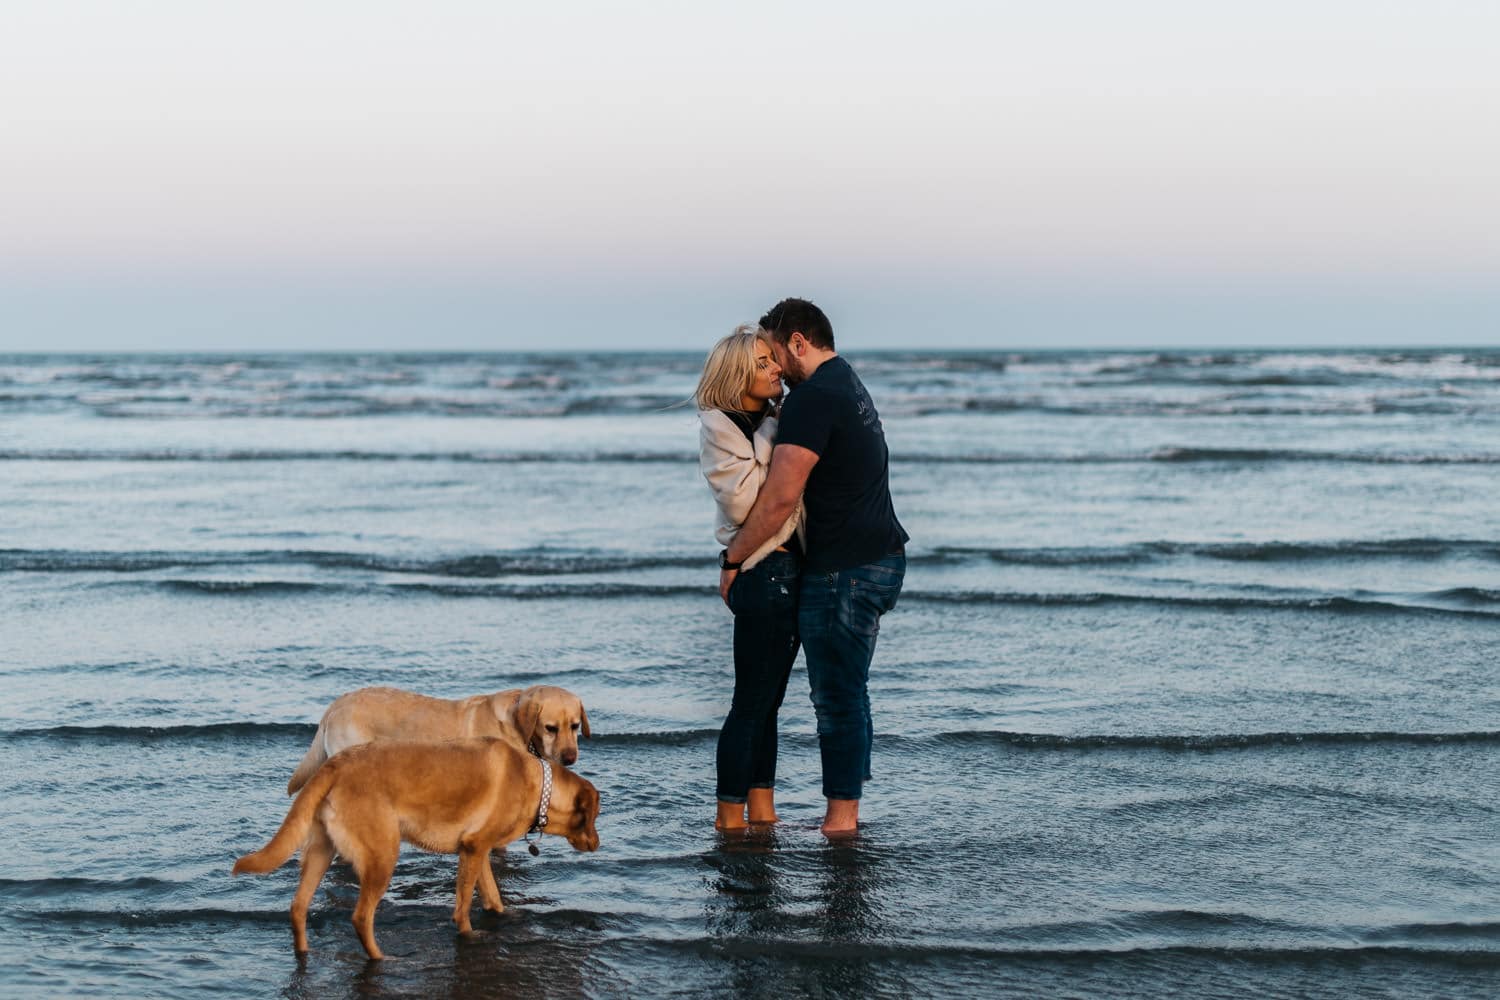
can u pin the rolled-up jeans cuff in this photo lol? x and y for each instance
(734, 800)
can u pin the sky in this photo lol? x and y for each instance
(326, 174)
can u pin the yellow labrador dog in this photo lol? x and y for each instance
(542, 719)
(462, 796)
(545, 719)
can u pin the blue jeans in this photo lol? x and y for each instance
(839, 619)
(764, 601)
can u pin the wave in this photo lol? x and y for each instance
(522, 563)
(1272, 551)
(1170, 454)
(591, 591)
(541, 562)
(508, 403)
(1271, 396)
(1245, 403)
(297, 731)
(668, 738)
(1107, 741)
(22, 888)
(302, 731)
(1121, 377)
(346, 455)
(1343, 605)
(202, 917)
(1474, 603)
(251, 586)
(1449, 945)
(1455, 945)
(1264, 455)
(165, 734)
(1206, 741)
(1471, 595)
(1213, 406)
(1464, 954)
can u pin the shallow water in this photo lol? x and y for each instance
(1193, 686)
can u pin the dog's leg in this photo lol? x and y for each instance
(489, 889)
(374, 870)
(471, 857)
(317, 855)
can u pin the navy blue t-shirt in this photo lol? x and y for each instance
(850, 519)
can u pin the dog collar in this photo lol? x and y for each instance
(540, 826)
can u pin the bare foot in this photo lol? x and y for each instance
(762, 806)
(731, 816)
(842, 818)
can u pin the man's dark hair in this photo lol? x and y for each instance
(791, 316)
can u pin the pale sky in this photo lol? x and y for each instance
(200, 174)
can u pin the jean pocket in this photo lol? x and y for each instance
(781, 594)
(764, 591)
(868, 600)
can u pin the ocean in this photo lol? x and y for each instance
(1193, 688)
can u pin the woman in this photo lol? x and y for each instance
(736, 397)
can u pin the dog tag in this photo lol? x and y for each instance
(533, 850)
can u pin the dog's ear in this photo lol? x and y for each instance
(584, 715)
(528, 713)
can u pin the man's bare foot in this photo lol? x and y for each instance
(763, 806)
(731, 816)
(842, 818)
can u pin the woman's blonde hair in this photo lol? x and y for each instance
(729, 370)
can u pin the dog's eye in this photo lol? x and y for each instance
(551, 729)
(575, 727)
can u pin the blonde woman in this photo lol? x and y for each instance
(737, 398)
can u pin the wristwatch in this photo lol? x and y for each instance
(724, 562)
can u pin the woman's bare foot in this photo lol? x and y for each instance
(842, 818)
(763, 806)
(731, 816)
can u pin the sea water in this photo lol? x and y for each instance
(1193, 687)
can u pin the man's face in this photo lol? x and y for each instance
(792, 371)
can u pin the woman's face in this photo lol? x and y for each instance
(767, 381)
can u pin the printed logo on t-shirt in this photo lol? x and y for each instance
(865, 409)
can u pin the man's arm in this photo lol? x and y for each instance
(791, 464)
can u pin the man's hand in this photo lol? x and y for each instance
(726, 580)
(790, 466)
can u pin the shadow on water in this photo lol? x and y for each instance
(791, 919)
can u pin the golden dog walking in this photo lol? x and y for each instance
(464, 796)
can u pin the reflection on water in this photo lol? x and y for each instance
(521, 952)
(745, 899)
(852, 878)
(503, 956)
(798, 919)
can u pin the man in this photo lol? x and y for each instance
(830, 450)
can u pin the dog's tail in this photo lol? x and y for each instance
(311, 761)
(294, 829)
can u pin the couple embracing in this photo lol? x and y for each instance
(813, 552)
